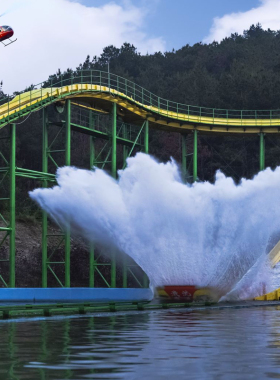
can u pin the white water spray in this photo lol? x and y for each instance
(204, 234)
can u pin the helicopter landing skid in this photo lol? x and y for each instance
(11, 42)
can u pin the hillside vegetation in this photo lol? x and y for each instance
(240, 72)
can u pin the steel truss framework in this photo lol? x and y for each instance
(189, 159)
(130, 138)
(113, 135)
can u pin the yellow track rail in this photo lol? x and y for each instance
(103, 96)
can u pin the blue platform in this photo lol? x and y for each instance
(74, 295)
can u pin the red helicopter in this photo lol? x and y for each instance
(6, 32)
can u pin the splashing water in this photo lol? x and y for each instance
(203, 234)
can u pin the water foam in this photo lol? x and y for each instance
(203, 234)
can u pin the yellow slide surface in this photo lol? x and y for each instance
(159, 117)
(274, 258)
(274, 255)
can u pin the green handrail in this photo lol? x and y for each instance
(137, 94)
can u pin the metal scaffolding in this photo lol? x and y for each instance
(85, 101)
(189, 161)
(84, 121)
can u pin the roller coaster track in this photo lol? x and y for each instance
(102, 92)
(135, 103)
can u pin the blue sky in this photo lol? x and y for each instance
(63, 38)
(182, 22)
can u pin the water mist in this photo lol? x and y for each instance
(203, 234)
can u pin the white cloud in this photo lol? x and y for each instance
(56, 34)
(267, 14)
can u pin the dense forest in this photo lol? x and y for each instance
(240, 72)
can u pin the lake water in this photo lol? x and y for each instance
(171, 344)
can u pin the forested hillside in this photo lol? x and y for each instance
(241, 72)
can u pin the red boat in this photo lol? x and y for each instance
(180, 292)
(188, 293)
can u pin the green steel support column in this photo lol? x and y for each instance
(44, 214)
(92, 147)
(194, 155)
(92, 159)
(12, 280)
(114, 141)
(146, 138)
(125, 154)
(68, 134)
(262, 151)
(184, 156)
(114, 174)
(125, 148)
(67, 162)
(146, 149)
